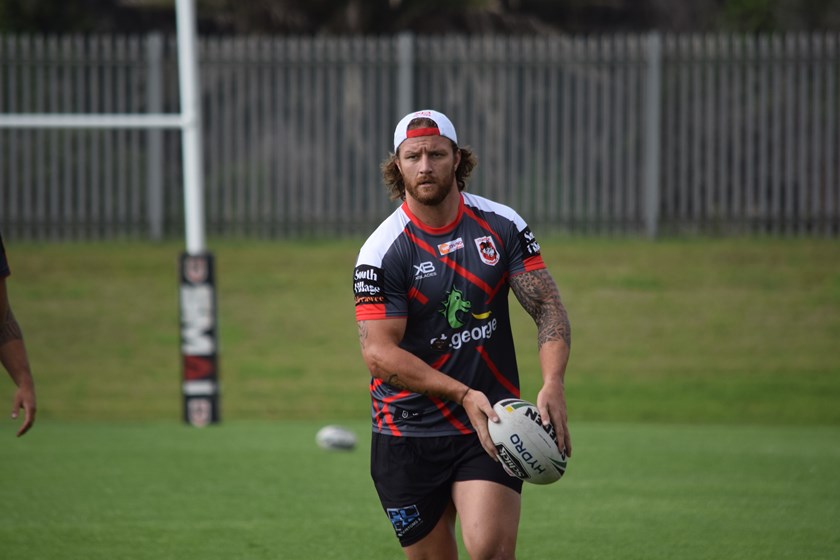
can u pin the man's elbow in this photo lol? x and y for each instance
(375, 360)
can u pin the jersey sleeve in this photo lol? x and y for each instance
(378, 278)
(376, 295)
(4, 263)
(524, 251)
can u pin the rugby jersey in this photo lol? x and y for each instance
(4, 264)
(452, 285)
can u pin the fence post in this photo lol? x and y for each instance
(405, 74)
(154, 147)
(651, 131)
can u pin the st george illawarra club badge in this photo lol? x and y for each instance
(487, 250)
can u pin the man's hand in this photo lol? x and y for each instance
(551, 402)
(480, 411)
(25, 399)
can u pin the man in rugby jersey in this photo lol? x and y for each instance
(13, 353)
(431, 287)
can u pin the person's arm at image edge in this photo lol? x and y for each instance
(16, 362)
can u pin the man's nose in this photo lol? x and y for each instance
(425, 165)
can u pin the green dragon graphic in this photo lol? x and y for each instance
(453, 305)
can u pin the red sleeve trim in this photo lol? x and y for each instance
(534, 263)
(370, 311)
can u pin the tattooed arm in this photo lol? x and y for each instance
(14, 359)
(538, 294)
(385, 359)
(379, 341)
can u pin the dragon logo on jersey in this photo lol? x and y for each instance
(487, 250)
(454, 308)
(453, 305)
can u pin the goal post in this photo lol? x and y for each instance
(197, 279)
(197, 276)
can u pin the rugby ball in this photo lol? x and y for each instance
(526, 449)
(335, 438)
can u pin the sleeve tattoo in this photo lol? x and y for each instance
(363, 333)
(539, 296)
(9, 328)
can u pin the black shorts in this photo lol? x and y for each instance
(414, 475)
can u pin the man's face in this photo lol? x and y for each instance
(428, 164)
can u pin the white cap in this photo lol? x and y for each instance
(444, 127)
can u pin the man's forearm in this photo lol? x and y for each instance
(405, 371)
(554, 355)
(14, 359)
(9, 327)
(408, 372)
(13, 351)
(539, 296)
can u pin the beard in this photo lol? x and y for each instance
(431, 191)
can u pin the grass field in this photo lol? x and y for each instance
(704, 393)
(262, 490)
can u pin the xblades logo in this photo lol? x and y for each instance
(424, 270)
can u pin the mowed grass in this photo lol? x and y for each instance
(704, 394)
(263, 490)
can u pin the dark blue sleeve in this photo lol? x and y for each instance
(4, 264)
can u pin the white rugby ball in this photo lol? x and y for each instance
(335, 438)
(526, 449)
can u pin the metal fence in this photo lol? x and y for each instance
(625, 134)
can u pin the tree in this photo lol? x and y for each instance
(376, 17)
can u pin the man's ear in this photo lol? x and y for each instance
(457, 157)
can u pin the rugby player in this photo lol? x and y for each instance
(431, 288)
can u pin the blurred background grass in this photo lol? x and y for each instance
(686, 331)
